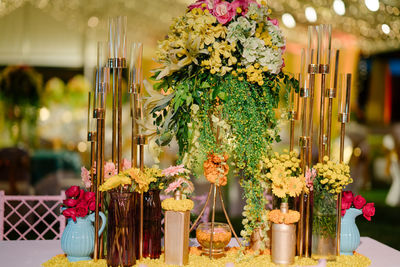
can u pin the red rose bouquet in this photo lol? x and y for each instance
(357, 202)
(78, 203)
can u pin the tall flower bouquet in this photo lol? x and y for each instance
(328, 179)
(222, 73)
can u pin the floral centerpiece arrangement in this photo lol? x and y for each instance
(178, 180)
(349, 201)
(328, 179)
(77, 240)
(222, 73)
(352, 206)
(285, 175)
(79, 203)
(109, 171)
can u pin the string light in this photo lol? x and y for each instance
(339, 7)
(288, 20)
(385, 28)
(372, 5)
(311, 14)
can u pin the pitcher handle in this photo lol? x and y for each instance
(103, 221)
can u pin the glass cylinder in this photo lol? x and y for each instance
(121, 230)
(324, 225)
(151, 224)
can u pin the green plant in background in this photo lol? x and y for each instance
(20, 91)
(222, 76)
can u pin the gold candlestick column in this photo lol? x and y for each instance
(331, 94)
(92, 137)
(344, 117)
(114, 115)
(324, 70)
(99, 114)
(141, 140)
(312, 71)
(213, 220)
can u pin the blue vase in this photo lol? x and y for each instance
(349, 234)
(77, 240)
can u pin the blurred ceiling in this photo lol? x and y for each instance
(148, 20)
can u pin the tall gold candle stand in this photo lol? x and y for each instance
(91, 137)
(343, 118)
(117, 62)
(293, 114)
(135, 86)
(99, 113)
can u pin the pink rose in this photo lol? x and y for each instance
(347, 197)
(81, 194)
(368, 211)
(73, 191)
(243, 4)
(92, 205)
(81, 209)
(70, 202)
(224, 12)
(359, 202)
(70, 213)
(198, 4)
(89, 196)
(345, 206)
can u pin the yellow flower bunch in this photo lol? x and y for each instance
(284, 172)
(332, 176)
(139, 180)
(172, 204)
(114, 182)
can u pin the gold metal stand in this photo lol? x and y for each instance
(214, 190)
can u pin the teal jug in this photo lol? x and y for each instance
(77, 240)
(349, 234)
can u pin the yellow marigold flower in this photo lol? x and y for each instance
(204, 5)
(261, 83)
(212, 71)
(324, 181)
(238, 10)
(172, 204)
(263, 3)
(265, 68)
(326, 158)
(209, 48)
(240, 78)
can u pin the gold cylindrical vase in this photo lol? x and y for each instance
(177, 225)
(283, 246)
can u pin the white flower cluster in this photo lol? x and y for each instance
(255, 48)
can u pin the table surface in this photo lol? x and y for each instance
(34, 253)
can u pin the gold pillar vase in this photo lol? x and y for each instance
(176, 226)
(283, 245)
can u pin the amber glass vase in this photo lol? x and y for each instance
(151, 224)
(121, 230)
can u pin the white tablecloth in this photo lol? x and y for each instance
(34, 253)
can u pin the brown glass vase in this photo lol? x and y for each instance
(121, 230)
(151, 224)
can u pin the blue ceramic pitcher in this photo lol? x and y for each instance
(77, 240)
(349, 234)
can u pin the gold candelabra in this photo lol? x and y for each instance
(112, 56)
(317, 60)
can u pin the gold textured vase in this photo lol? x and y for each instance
(283, 247)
